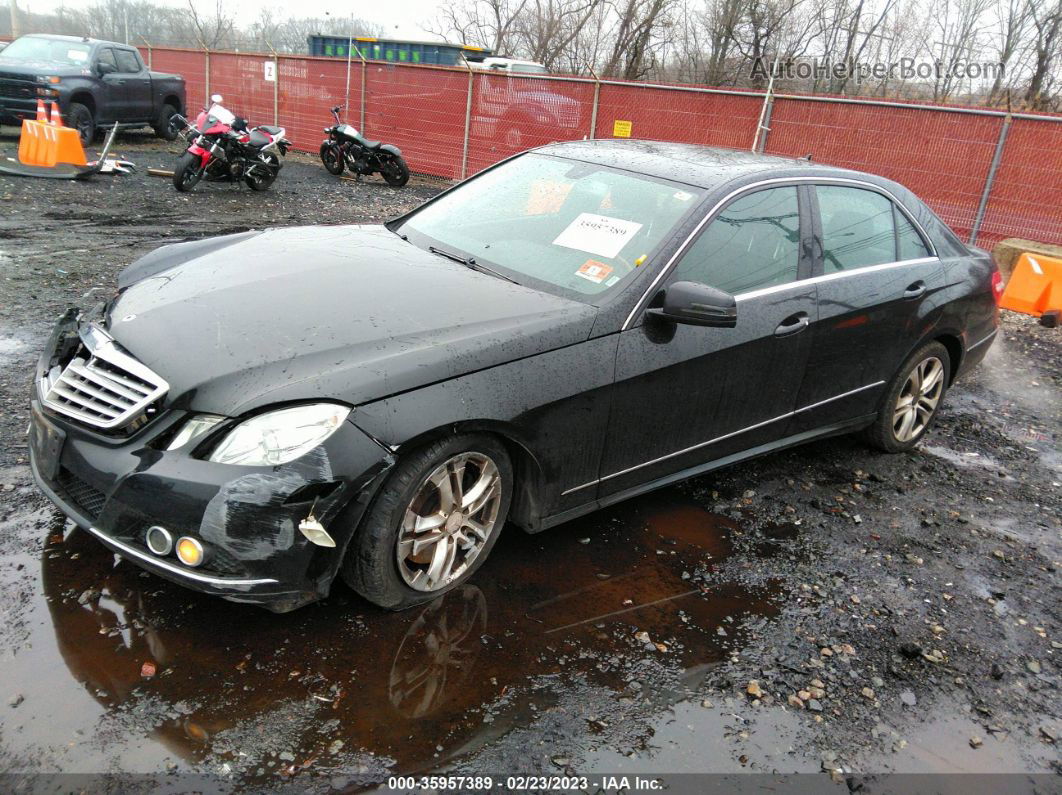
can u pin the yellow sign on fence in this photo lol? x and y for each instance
(621, 129)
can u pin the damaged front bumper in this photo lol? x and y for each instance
(245, 517)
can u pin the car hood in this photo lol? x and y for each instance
(349, 313)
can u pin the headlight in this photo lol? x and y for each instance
(193, 429)
(48, 79)
(279, 436)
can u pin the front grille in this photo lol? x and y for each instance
(89, 499)
(15, 88)
(101, 385)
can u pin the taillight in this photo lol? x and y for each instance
(997, 285)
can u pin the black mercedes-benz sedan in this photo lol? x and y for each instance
(253, 415)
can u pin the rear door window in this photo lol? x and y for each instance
(857, 228)
(911, 245)
(753, 243)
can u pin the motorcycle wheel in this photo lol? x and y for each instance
(256, 180)
(188, 172)
(332, 159)
(394, 171)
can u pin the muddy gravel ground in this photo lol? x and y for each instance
(827, 610)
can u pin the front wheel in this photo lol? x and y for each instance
(433, 523)
(332, 158)
(188, 172)
(81, 119)
(394, 171)
(912, 400)
(163, 127)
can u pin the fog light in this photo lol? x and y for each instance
(159, 540)
(189, 551)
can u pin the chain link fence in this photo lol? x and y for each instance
(987, 173)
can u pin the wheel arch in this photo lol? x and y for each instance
(175, 101)
(953, 344)
(526, 508)
(85, 98)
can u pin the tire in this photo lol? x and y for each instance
(188, 172)
(912, 400)
(256, 181)
(162, 125)
(394, 171)
(81, 119)
(381, 571)
(332, 159)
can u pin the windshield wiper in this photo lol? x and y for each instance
(470, 262)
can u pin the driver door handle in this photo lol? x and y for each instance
(792, 325)
(915, 290)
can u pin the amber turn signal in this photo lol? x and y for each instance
(189, 551)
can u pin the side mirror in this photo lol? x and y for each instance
(217, 99)
(695, 305)
(105, 69)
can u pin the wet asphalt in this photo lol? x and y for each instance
(671, 633)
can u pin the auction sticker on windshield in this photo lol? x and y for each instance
(597, 234)
(594, 271)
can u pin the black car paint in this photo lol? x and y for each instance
(131, 99)
(424, 347)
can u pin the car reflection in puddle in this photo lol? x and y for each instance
(342, 684)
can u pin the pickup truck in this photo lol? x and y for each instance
(96, 84)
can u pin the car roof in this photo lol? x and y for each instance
(76, 39)
(703, 166)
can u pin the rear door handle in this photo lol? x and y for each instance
(916, 290)
(792, 325)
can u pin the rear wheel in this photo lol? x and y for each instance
(163, 125)
(81, 119)
(433, 523)
(394, 171)
(913, 398)
(332, 159)
(188, 172)
(264, 173)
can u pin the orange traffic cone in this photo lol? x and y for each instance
(57, 119)
(42, 113)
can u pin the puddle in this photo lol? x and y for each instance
(256, 692)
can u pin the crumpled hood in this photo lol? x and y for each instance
(351, 313)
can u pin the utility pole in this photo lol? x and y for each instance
(16, 31)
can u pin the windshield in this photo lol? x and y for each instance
(31, 48)
(550, 222)
(221, 114)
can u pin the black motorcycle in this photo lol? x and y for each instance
(345, 147)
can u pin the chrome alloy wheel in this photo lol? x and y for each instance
(918, 400)
(448, 521)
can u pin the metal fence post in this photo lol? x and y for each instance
(276, 86)
(765, 113)
(206, 74)
(597, 97)
(468, 123)
(991, 178)
(148, 45)
(364, 69)
(766, 124)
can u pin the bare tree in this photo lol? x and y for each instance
(1046, 47)
(632, 39)
(212, 30)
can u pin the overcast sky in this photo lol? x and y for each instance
(399, 18)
